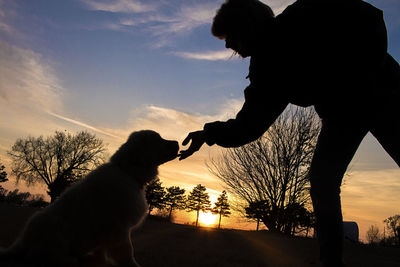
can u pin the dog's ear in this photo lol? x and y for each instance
(140, 149)
(129, 153)
(145, 148)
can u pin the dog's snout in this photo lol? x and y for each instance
(171, 149)
(174, 145)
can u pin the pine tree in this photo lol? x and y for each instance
(174, 199)
(3, 174)
(198, 200)
(155, 195)
(221, 207)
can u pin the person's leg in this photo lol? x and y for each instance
(337, 144)
(386, 129)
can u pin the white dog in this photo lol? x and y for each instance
(96, 215)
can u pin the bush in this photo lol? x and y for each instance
(25, 199)
(161, 215)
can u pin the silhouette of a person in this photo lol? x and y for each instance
(330, 54)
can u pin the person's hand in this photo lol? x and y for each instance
(197, 139)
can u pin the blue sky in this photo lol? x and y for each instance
(115, 66)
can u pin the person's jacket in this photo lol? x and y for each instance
(331, 54)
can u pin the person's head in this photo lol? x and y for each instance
(239, 22)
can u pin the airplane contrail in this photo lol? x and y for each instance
(83, 125)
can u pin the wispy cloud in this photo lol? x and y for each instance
(120, 6)
(187, 18)
(208, 55)
(26, 80)
(165, 21)
(7, 11)
(28, 89)
(161, 19)
(158, 17)
(175, 124)
(6, 28)
(183, 20)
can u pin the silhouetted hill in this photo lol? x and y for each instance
(160, 243)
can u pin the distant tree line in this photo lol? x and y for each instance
(62, 159)
(174, 198)
(18, 198)
(268, 175)
(390, 235)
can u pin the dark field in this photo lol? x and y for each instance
(158, 243)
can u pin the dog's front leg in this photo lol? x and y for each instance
(121, 253)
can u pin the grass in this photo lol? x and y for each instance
(159, 243)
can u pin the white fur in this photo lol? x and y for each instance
(97, 214)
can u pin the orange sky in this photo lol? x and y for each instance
(368, 195)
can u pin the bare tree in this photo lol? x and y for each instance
(393, 225)
(57, 160)
(221, 207)
(274, 168)
(198, 200)
(373, 234)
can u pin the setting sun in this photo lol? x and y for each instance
(207, 218)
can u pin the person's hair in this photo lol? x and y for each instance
(240, 15)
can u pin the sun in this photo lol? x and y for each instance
(207, 218)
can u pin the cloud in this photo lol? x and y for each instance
(163, 17)
(26, 81)
(29, 88)
(208, 55)
(278, 5)
(6, 28)
(7, 13)
(188, 18)
(184, 20)
(119, 6)
(163, 20)
(176, 124)
(170, 123)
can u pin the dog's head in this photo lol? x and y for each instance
(146, 148)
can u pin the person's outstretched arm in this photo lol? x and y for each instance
(255, 117)
(197, 140)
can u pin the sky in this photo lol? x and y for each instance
(115, 66)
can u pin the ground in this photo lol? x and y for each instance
(159, 243)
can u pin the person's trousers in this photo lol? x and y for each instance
(337, 144)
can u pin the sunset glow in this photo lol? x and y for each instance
(207, 218)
